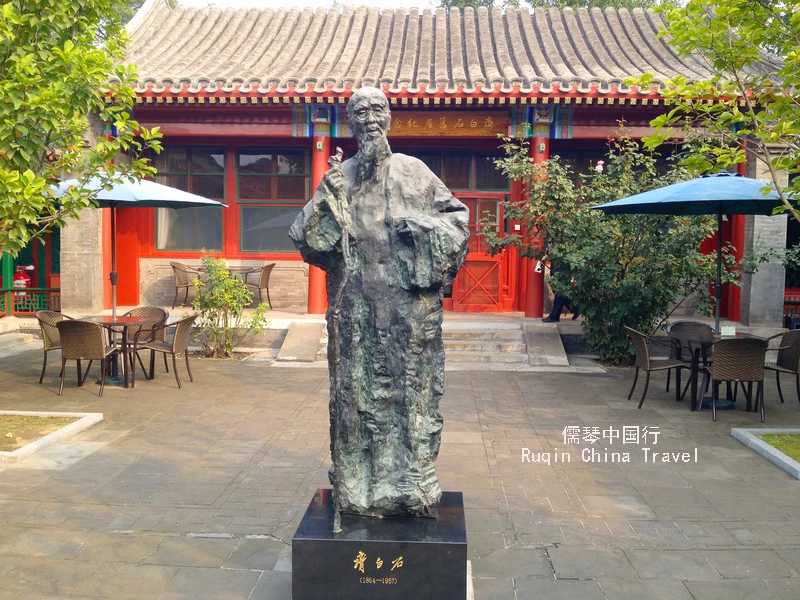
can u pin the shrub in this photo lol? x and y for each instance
(619, 270)
(220, 303)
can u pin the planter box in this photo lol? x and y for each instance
(84, 421)
(750, 437)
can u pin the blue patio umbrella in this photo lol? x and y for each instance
(718, 194)
(141, 194)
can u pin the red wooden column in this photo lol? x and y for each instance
(518, 264)
(320, 153)
(534, 299)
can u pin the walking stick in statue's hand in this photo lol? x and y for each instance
(341, 213)
(341, 210)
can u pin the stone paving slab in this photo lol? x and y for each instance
(196, 493)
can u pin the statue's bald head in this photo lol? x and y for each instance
(368, 113)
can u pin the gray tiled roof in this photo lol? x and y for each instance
(189, 49)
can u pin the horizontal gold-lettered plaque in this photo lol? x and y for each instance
(455, 124)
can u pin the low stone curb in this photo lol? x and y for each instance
(750, 438)
(86, 420)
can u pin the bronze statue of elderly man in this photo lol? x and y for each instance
(390, 236)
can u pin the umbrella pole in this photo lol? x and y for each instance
(113, 275)
(718, 285)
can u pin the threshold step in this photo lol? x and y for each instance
(486, 357)
(478, 346)
(12, 340)
(510, 335)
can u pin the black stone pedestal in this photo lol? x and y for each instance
(380, 559)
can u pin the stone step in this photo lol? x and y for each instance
(12, 340)
(301, 343)
(486, 357)
(510, 335)
(12, 324)
(484, 346)
(469, 324)
(545, 347)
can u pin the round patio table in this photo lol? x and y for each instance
(699, 343)
(120, 323)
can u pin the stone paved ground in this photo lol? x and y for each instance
(196, 493)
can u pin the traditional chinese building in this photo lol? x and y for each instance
(251, 104)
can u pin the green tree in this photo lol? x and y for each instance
(752, 50)
(619, 270)
(127, 10)
(61, 67)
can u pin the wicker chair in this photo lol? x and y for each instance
(83, 340)
(263, 282)
(644, 362)
(183, 280)
(739, 360)
(151, 333)
(676, 352)
(50, 337)
(788, 359)
(179, 345)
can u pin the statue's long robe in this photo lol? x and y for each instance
(408, 237)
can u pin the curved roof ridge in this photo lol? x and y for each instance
(205, 32)
(193, 19)
(391, 67)
(623, 41)
(475, 73)
(691, 61)
(280, 27)
(408, 62)
(487, 45)
(583, 49)
(594, 42)
(214, 52)
(640, 42)
(236, 66)
(425, 55)
(377, 56)
(566, 44)
(337, 44)
(535, 47)
(352, 45)
(286, 42)
(457, 68)
(503, 56)
(306, 73)
(430, 49)
(161, 40)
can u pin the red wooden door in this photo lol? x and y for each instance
(482, 282)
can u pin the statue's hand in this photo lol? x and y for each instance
(334, 180)
(404, 226)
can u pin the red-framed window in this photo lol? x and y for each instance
(272, 186)
(199, 170)
(464, 170)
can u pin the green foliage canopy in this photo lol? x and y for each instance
(755, 92)
(61, 67)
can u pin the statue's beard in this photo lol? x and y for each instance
(372, 151)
